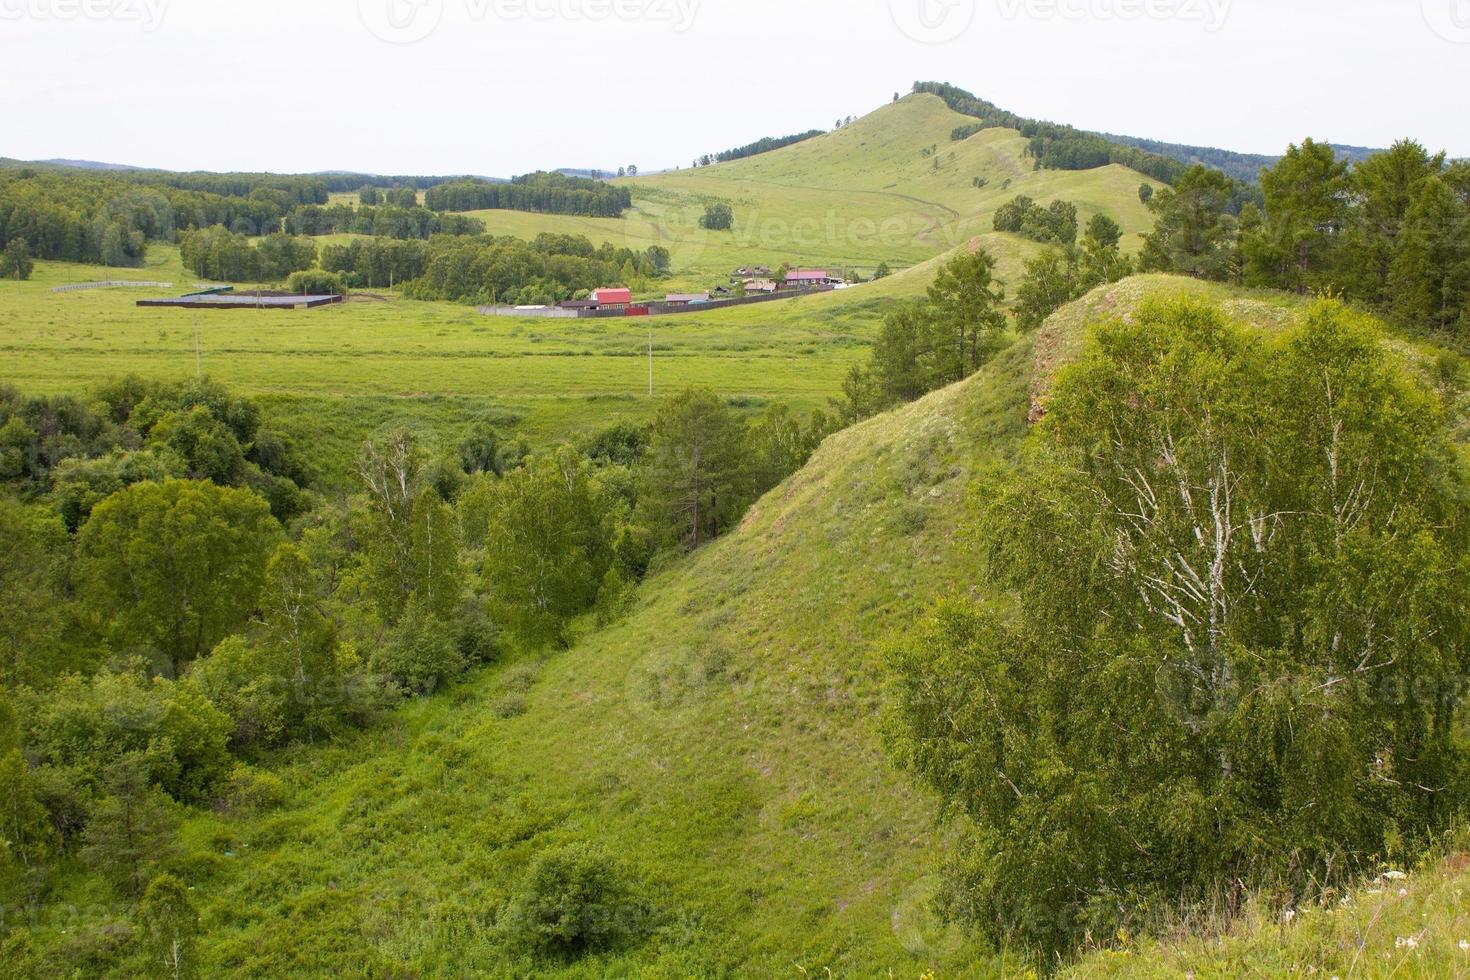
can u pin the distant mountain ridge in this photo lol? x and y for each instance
(1241, 166)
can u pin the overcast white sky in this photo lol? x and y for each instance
(506, 86)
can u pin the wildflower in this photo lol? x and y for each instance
(1406, 942)
(1465, 945)
(1394, 875)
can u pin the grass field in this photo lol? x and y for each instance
(849, 199)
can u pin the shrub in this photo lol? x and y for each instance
(316, 282)
(251, 790)
(573, 900)
(421, 652)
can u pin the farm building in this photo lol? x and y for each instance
(244, 301)
(753, 286)
(686, 299)
(751, 272)
(812, 277)
(612, 297)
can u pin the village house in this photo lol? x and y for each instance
(802, 278)
(754, 286)
(686, 299)
(612, 297)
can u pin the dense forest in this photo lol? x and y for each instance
(549, 193)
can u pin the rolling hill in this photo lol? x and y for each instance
(853, 198)
(722, 739)
(890, 187)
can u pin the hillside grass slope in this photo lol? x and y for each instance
(721, 739)
(867, 193)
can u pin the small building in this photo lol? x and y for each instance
(245, 301)
(721, 292)
(579, 304)
(753, 286)
(686, 299)
(811, 277)
(612, 297)
(752, 272)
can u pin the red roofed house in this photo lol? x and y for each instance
(612, 297)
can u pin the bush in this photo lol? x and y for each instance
(717, 217)
(316, 282)
(573, 900)
(421, 652)
(253, 790)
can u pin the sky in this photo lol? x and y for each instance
(499, 87)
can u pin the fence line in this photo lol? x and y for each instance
(654, 308)
(113, 282)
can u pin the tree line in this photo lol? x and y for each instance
(1391, 232)
(548, 269)
(389, 220)
(764, 145)
(225, 256)
(544, 192)
(1052, 145)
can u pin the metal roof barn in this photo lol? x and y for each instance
(243, 302)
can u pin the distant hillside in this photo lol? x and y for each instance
(1241, 166)
(88, 165)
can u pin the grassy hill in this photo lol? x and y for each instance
(850, 198)
(721, 737)
(723, 741)
(860, 195)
